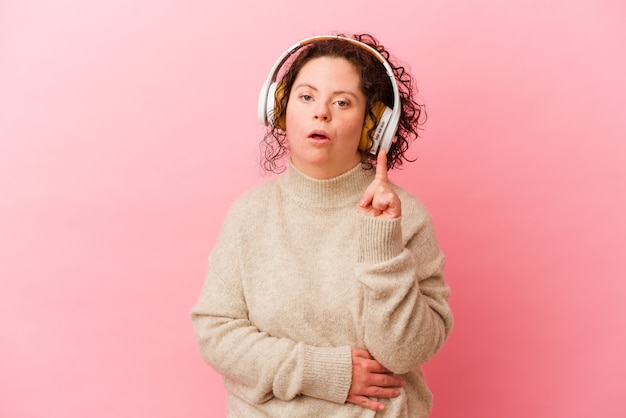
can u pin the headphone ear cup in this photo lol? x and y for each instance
(269, 104)
(279, 94)
(275, 93)
(382, 114)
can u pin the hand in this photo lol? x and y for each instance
(379, 198)
(370, 378)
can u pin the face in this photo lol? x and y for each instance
(324, 119)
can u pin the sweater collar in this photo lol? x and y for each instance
(343, 190)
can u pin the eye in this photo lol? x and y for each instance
(306, 97)
(342, 103)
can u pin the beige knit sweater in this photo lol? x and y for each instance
(298, 277)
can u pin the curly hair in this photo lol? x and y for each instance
(375, 85)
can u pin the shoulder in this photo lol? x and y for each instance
(417, 222)
(418, 229)
(253, 202)
(412, 208)
(245, 214)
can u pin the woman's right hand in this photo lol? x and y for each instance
(371, 379)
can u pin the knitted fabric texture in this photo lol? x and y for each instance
(298, 277)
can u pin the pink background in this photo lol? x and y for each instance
(127, 129)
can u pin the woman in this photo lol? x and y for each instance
(325, 292)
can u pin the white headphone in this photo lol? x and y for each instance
(387, 118)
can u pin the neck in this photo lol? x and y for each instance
(327, 170)
(345, 189)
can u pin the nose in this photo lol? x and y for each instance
(321, 112)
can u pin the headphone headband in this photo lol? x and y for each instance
(384, 132)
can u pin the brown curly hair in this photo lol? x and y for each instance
(375, 85)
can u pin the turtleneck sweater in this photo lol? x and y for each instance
(298, 277)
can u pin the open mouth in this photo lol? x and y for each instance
(319, 136)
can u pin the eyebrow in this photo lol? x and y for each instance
(312, 87)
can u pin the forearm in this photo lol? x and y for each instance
(406, 317)
(261, 365)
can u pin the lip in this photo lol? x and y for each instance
(319, 136)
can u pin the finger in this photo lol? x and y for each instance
(368, 195)
(381, 166)
(359, 352)
(378, 392)
(366, 402)
(383, 198)
(385, 381)
(374, 366)
(376, 189)
(386, 201)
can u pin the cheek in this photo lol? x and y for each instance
(354, 127)
(291, 115)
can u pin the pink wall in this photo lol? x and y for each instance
(127, 129)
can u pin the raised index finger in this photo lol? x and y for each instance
(381, 166)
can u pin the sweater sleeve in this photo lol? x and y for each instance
(406, 317)
(255, 365)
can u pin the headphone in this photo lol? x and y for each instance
(388, 118)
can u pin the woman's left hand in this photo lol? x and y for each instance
(379, 199)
